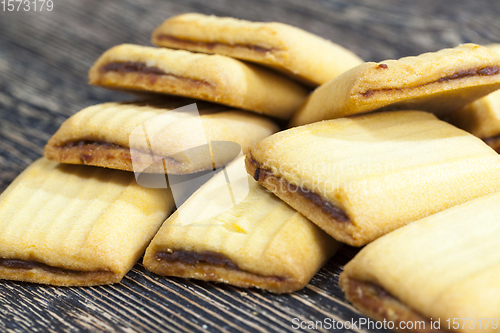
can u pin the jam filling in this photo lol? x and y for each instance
(140, 67)
(212, 45)
(205, 257)
(82, 143)
(336, 213)
(192, 258)
(30, 264)
(87, 149)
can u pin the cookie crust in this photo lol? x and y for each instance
(442, 267)
(71, 225)
(281, 47)
(375, 170)
(440, 82)
(481, 117)
(90, 138)
(256, 240)
(212, 78)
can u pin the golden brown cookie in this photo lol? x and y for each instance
(212, 78)
(439, 82)
(359, 178)
(290, 50)
(72, 225)
(102, 135)
(256, 240)
(482, 117)
(443, 268)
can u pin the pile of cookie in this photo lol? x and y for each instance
(364, 154)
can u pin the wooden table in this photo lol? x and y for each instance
(44, 58)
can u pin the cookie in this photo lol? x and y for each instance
(212, 78)
(439, 82)
(439, 269)
(482, 117)
(70, 225)
(361, 177)
(299, 54)
(256, 240)
(181, 141)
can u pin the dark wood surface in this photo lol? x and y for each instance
(44, 58)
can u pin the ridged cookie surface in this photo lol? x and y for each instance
(102, 135)
(443, 267)
(359, 178)
(76, 225)
(255, 240)
(439, 82)
(213, 78)
(290, 50)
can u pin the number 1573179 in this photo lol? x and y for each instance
(26, 5)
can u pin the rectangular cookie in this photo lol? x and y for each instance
(212, 78)
(438, 82)
(481, 117)
(182, 141)
(234, 231)
(359, 178)
(69, 225)
(443, 268)
(299, 54)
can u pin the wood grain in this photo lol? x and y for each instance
(44, 58)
